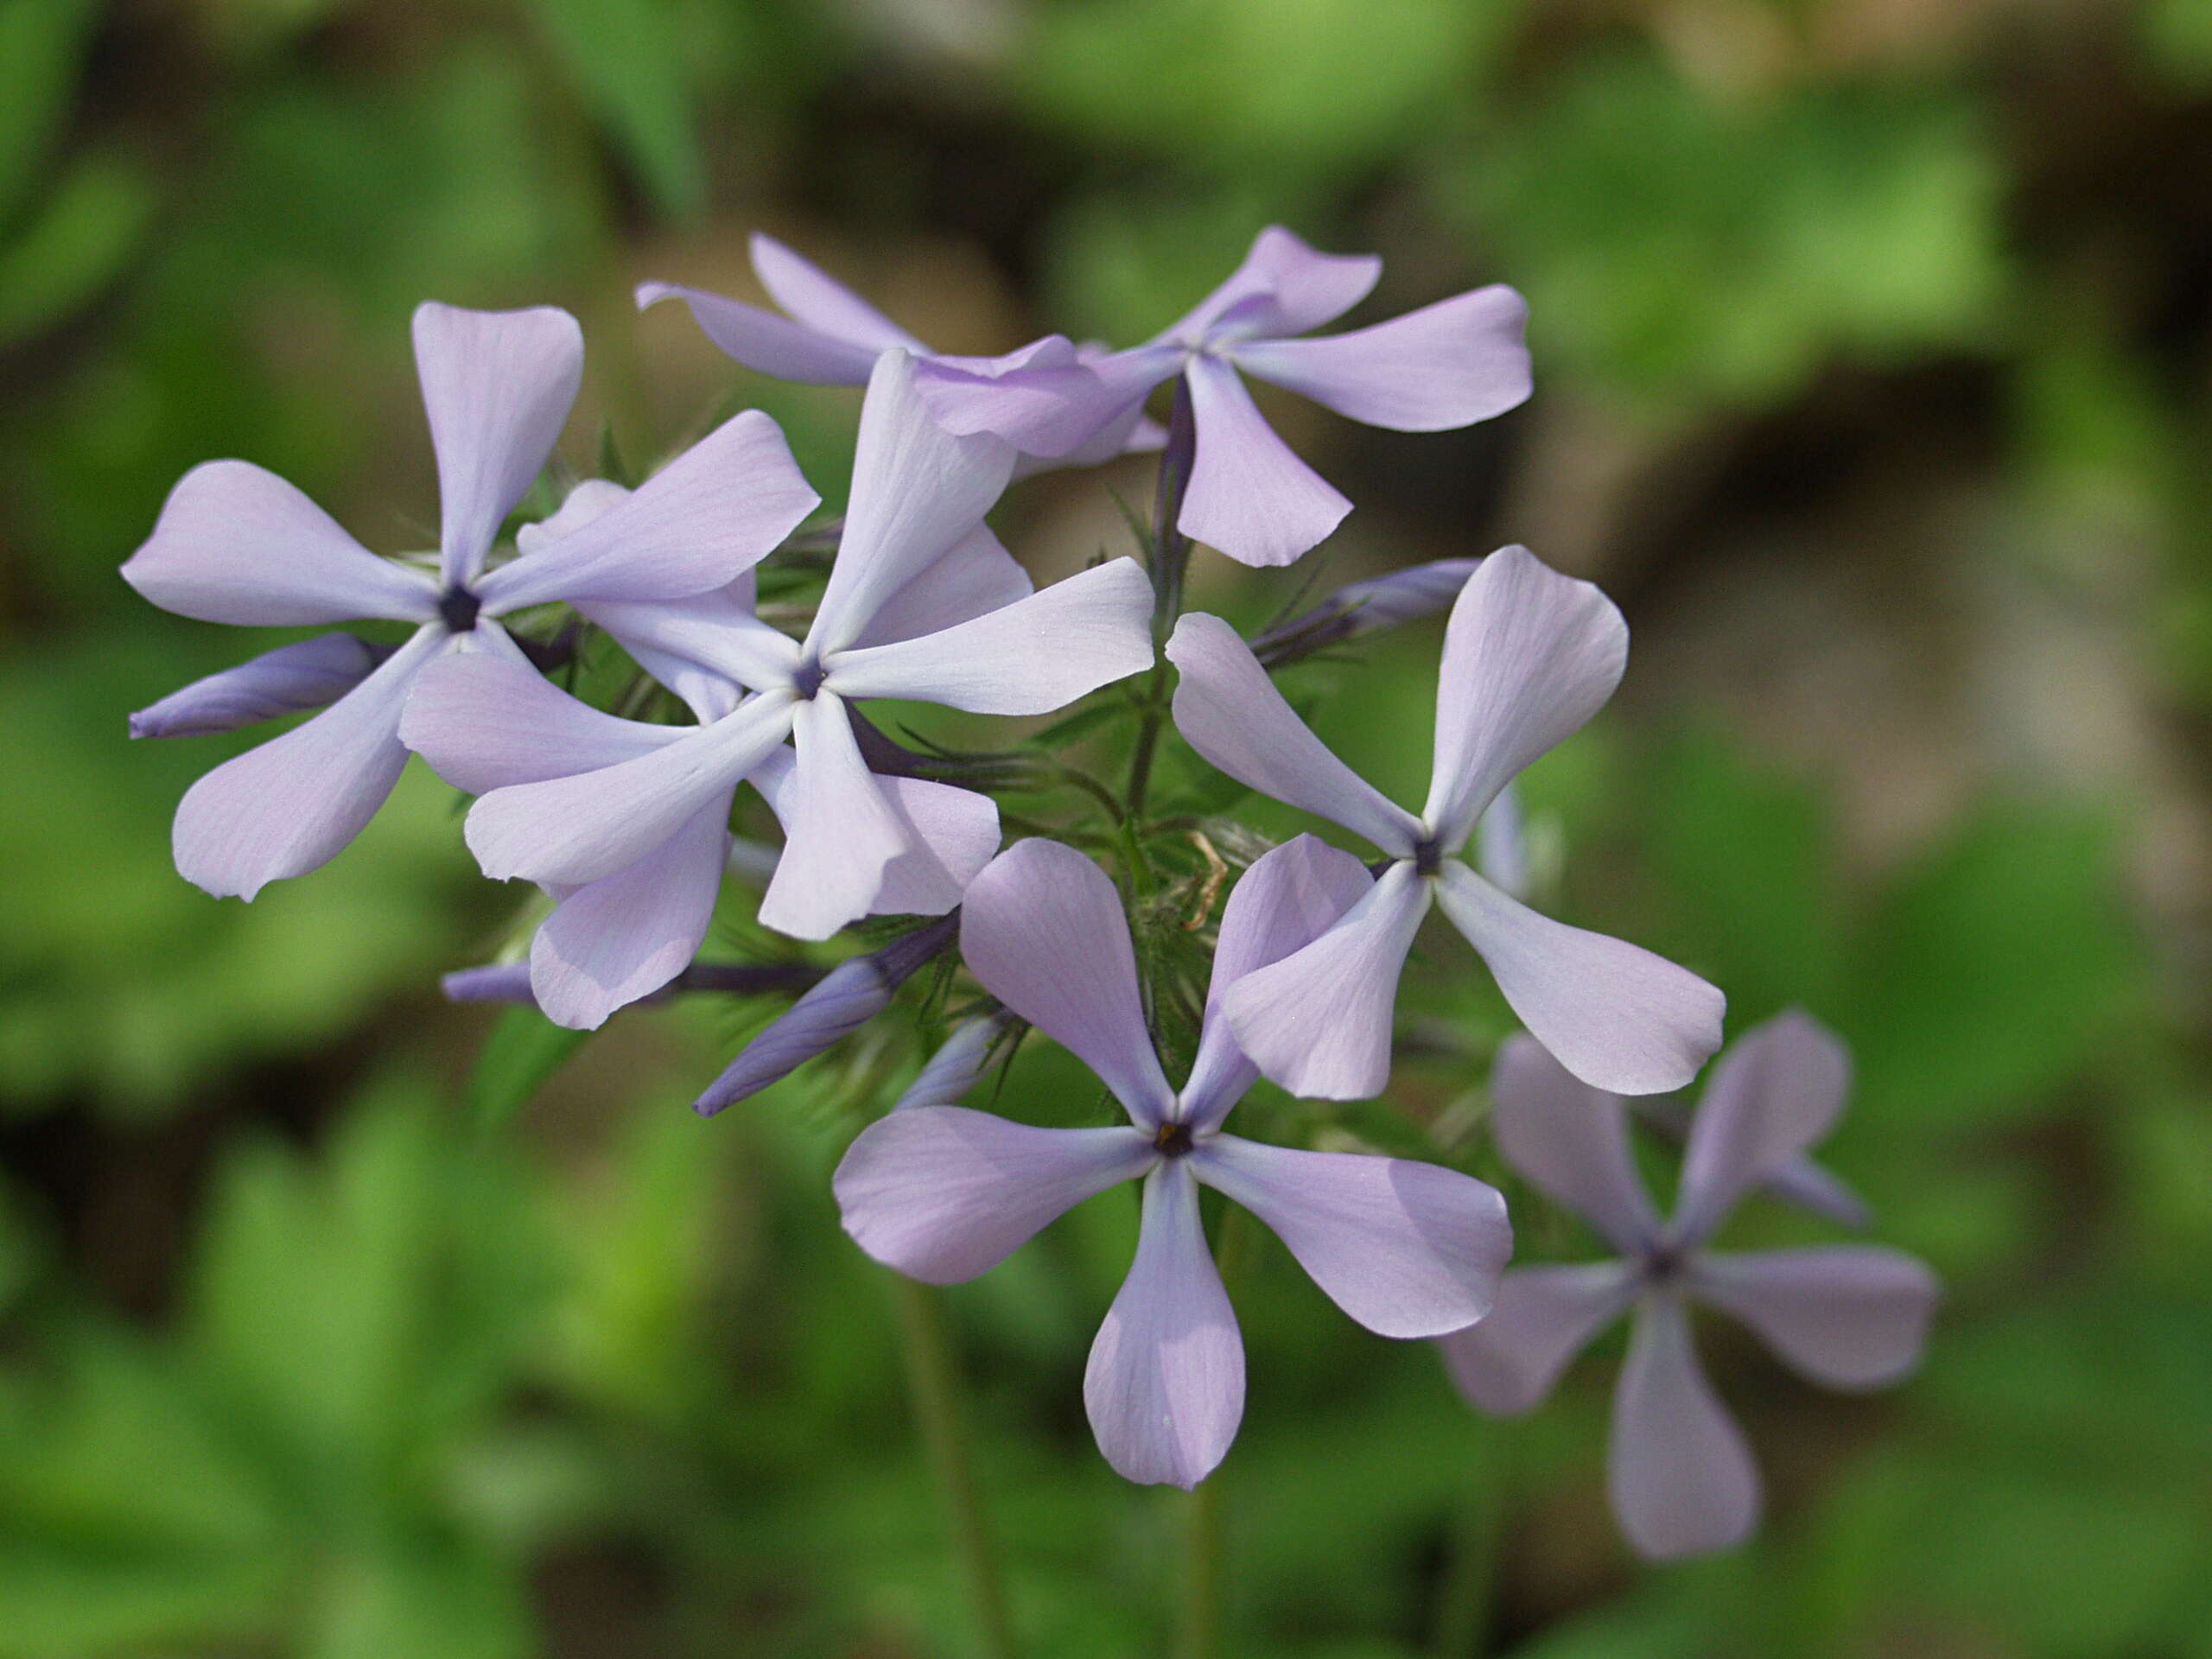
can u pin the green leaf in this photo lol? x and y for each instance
(524, 1051)
(79, 240)
(632, 60)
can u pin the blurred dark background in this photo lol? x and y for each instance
(1874, 353)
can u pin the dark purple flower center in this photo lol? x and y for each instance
(1429, 856)
(1172, 1140)
(807, 677)
(1663, 1263)
(458, 607)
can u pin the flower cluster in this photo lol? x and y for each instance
(734, 712)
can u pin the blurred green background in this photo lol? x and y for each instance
(1874, 352)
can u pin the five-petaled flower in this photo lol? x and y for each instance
(1447, 364)
(484, 724)
(236, 543)
(917, 494)
(1049, 404)
(1528, 657)
(1851, 1316)
(941, 1193)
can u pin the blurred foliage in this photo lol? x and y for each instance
(290, 1366)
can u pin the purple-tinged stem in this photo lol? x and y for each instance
(1171, 559)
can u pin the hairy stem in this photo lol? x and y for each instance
(934, 1385)
(1198, 1625)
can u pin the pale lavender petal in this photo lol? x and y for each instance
(288, 680)
(289, 806)
(1681, 1478)
(1360, 608)
(821, 302)
(1288, 899)
(1778, 1090)
(1819, 1192)
(1853, 1316)
(1228, 710)
(712, 514)
(1544, 1316)
(1304, 289)
(958, 1065)
(1040, 398)
(1451, 364)
(974, 577)
(236, 543)
(484, 723)
(841, 834)
(1165, 1387)
(1408, 1250)
(1530, 657)
(1318, 1022)
(703, 646)
(574, 830)
(1042, 929)
(589, 500)
(762, 341)
(1801, 1182)
(917, 490)
(497, 981)
(1572, 1141)
(1502, 845)
(1250, 495)
(499, 385)
(627, 935)
(1030, 657)
(1130, 433)
(941, 1193)
(951, 833)
(1616, 1015)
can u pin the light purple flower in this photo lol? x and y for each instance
(922, 604)
(1447, 364)
(1047, 401)
(1528, 657)
(848, 997)
(236, 543)
(486, 726)
(943, 1193)
(1848, 1316)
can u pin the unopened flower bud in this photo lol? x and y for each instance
(848, 997)
(495, 981)
(1362, 607)
(284, 681)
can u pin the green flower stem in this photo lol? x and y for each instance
(1467, 1597)
(1197, 1626)
(934, 1384)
